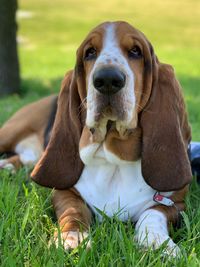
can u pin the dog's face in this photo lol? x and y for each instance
(115, 57)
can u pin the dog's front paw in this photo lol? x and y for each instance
(152, 232)
(156, 240)
(6, 165)
(172, 250)
(71, 239)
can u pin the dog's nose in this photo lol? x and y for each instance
(109, 81)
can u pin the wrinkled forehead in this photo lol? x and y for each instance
(115, 33)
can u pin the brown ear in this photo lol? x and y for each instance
(166, 134)
(60, 165)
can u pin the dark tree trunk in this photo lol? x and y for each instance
(9, 64)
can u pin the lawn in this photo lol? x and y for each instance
(49, 34)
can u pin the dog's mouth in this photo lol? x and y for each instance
(111, 114)
(107, 126)
(112, 108)
(110, 125)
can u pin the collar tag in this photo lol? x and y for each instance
(163, 200)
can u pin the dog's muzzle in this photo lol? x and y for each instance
(108, 80)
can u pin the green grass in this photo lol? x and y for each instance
(49, 40)
(27, 222)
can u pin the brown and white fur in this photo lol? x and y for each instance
(114, 151)
(24, 134)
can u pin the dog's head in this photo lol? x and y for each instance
(118, 82)
(116, 63)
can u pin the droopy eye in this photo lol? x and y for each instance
(135, 52)
(90, 53)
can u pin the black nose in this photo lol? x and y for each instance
(109, 80)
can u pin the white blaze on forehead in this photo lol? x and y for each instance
(111, 52)
(111, 55)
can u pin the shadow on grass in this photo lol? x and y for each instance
(191, 88)
(31, 90)
(40, 87)
(191, 85)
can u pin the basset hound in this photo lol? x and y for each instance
(119, 140)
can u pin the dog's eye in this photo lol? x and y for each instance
(90, 53)
(135, 52)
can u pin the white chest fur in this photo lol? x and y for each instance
(112, 185)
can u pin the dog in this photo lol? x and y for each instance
(119, 140)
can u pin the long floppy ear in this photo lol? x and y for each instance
(60, 165)
(166, 134)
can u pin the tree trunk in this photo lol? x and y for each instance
(9, 64)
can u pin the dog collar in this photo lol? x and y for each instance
(159, 198)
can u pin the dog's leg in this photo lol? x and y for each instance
(13, 163)
(9, 135)
(152, 231)
(74, 218)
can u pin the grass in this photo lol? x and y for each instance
(27, 222)
(48, 41)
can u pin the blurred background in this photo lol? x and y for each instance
(49, 32)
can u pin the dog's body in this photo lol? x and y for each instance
(119, 141)
(26, 133)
